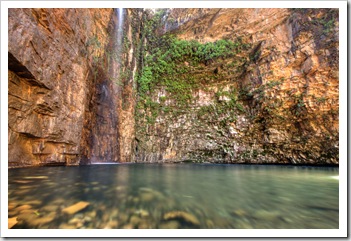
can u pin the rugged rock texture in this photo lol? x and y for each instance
(275, 102)
(64, 92)
(73, 89)
(108, 132)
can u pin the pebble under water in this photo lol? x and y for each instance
(161, 196)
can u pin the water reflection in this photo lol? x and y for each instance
(174, 196)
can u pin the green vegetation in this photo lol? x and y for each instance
(165, 64)
(179, 67)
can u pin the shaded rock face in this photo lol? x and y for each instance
(277, 102)
(64, 95)
(108, 131)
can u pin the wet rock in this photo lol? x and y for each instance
(76, 207)
(183, 216)
(12, 222)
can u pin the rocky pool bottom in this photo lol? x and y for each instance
(160, 196)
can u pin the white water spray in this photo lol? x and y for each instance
(119, 31)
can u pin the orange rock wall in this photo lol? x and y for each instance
(288, 86)
(65, 101)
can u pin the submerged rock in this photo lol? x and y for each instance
(12, 222)
(34, 202)
(135, 220)
(49, 208)
(76, 207)
(148, 194)
(183, 216)
(142, 213)
(111, 224)
(23, 207)
(42, 220)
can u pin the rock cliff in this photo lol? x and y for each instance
(65, 78)
(273, 100)
(218, 85)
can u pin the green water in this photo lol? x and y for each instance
(175, 196)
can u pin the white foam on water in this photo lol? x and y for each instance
(335, 177)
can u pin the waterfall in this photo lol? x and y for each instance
(119, 32)
(104, 138)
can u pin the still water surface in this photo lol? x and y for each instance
(174, 196)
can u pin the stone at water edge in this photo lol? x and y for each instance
(76, 207)
(12, 222)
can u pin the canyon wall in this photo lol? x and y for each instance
(272, 99)
(65, 87)
(241, 86)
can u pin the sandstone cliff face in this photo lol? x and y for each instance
(73, 89)
(63, 92)
(274, 102)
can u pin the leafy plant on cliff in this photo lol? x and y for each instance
(164, 65)
(180, 67)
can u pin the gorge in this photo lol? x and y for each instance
(205, 85)
(190, 105)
